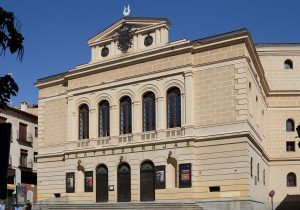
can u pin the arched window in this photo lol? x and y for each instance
(125, 115)
(251, 167)
(104, 119)
(288, 64)
(149, 111)
(174, 107)
(290, 125)
(257, 171)
(291, 180)
(83, 121)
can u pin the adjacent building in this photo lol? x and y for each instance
(211, 121)
(23, 150)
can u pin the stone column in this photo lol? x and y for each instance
(71, 121)
(93, 124)
(136, 120)
(161, 121)
(188, 100)
(114, 123)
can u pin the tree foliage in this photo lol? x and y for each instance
(12, 39)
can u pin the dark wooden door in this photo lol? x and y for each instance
(102, 184)
(124, 183)
(147, 184)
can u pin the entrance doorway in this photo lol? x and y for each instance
(124, 183)
(101, 184)
(147, 182)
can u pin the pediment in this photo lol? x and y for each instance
(142, 26)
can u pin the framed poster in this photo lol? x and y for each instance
(185, 175)
(88, 181)
(160, 177)
(70, 182)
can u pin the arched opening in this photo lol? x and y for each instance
(149, 112)
(147, 182)
(125, 115)
(124, 183)
(101, 183)
(104, 119)
(174, 107)
(83, 121)
(288, 64)
(291, 180)
(290, 125)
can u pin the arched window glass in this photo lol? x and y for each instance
(149, 111)
(291, 180)
(104, 119)
(251, 167)
(290, 125)
(174, 107)
(125, 115)
(288, 64)
(83, 121)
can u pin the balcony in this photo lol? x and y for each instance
(125, 138)
(24, 164)
(128, 139)
(10, 161)
(25, 140)
(149, 135)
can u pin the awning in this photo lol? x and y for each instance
(290, 202)
(10, 187)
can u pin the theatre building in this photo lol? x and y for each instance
(211, 121)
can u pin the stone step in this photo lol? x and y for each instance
(123, 206)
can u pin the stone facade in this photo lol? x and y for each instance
(23, 149)
(232, 120)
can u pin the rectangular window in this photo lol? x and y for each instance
(88, 181)
(290, 146)
(36, 132)
(23, 158)
(22, 132)
(214, 188)
(160, 177)
(70, 182)
(35, 157)
(185, 175)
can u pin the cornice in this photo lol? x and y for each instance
(173, 48)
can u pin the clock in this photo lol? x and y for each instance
(104, 51)
(148, 40)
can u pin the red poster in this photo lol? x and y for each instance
(185, 175)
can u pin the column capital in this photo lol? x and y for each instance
(188, 73)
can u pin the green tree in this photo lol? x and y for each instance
(12, 39)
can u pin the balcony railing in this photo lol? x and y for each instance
(26, 164)
(124, 139)
(27, 138)
(10, 160)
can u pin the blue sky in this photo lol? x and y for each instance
(56, 31)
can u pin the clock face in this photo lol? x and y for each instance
(124, 37)
(148, 40)
(104, 51)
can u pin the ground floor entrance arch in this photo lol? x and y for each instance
(124, 183)
(147, 181)
(101, 183)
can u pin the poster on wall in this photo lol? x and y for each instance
(160, 177)
(185, 175)
(88, 181)
(70, 182)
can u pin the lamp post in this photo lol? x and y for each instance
(271, 194)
